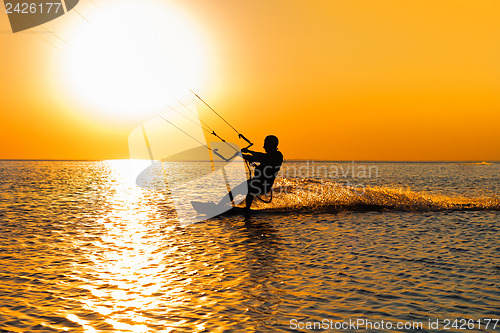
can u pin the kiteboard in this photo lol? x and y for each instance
(211, 209)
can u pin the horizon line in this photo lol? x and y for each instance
(290, 160)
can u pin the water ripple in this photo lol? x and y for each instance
(84, 250)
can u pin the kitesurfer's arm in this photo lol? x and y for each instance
(253, 156)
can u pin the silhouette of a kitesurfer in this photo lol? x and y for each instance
(264, 173)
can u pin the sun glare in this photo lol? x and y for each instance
(132, 58)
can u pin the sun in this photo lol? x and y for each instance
(131, 58)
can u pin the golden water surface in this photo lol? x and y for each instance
(83, 249)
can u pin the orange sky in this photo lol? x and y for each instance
(340, 80)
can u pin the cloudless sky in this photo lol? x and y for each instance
(340, 80)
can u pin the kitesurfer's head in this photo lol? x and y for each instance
(271, 143)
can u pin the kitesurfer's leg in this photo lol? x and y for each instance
(248, 201)
(239, 189)
(248, 204)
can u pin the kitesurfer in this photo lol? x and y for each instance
(264, 174)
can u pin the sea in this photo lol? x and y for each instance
(342, 246)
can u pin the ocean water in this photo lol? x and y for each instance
(83, 249)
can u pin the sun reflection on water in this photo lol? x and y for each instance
(123, 277)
